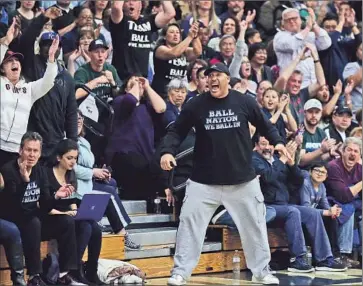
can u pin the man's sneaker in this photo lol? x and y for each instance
(348, 262)
(273, 272)
(299, 265)
(36, 281)
(176, 279)
(330, 264)
(267, 280)
(130, 245)
(69, 280)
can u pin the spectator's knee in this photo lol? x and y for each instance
(293, 212)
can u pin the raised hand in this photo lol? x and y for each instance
(251, 16)
(13, 31)
(350, 19)
(109, 76)
(75, 54)
(281, 149)
(24, 171)
(144, 82)
(53, 49)
(240, 14)
(194, 30)
(53, 13)
(338, 87)
(243, 25)
(349, 88)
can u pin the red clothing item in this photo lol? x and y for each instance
(340, 180)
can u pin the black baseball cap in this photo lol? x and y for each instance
(341, 109)
(95, 44)
(218, 67)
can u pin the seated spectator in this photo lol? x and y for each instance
(277, 109)
(358, 116)
(192, 73)
(26, 187)
(353, 74)
(205, 13)
(130, 147)
(88, 233)
(313, 192)
(103, 80)
(252, 36)
(171, 56)
(344, 185)
(15, 112)
(10, 239)
(356, 132)
(131, 41)
(341, 122)
(230, 26)
(80, 56)
(280, 180)
(289, 42)
(291, 80)
(316, 147)
(90, 178)
(202, 84)
(339, 54)
(257, 54)
(52, 126)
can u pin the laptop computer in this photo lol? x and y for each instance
(93, 206)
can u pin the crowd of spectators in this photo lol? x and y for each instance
(90, 88)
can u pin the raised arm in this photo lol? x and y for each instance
(320, 77)
(117, 13)
(156, 101)
(322, 39)
(164, 17)
(241, 50)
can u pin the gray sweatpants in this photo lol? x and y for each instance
(245, 204)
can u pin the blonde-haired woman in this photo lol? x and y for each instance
(205, 15)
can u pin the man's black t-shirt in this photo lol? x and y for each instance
(19, 199)
(63, 21)
(223, 147)
(131, 42)
(166, 70)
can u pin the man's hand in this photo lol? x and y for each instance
(64, 192)
(13, 31)
(338, 87)
(24, 172)
(291, 147)
(335, 211)
(327, 144)
(53, 49)
(75, 54)
(167, 162)
(349, 88)
(109, 76)
(251, 16)
(101, 174)
(193, 30)
(53, 13)
(350, 19)
(144, 83)
(169, 197)
(281, 149)
(312, 16)
(313, 50)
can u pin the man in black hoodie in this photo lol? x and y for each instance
(53, 116)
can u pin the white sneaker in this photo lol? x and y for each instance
(267, 280)
(176, 279)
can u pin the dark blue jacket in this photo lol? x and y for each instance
(278, 180)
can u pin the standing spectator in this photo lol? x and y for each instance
(67, 18)
(340, 126)
(98, 8)
(353, 74)
(131, 35)
(289, 43)
(257, 54)
(27, 202)
(235, 8)
(315, 147)
(53, 116)
(216, 169)
(172, 55)
(337, 56)
(27, 11)
(207, 52)
(18, 96)
(344, 185)
(130, 147)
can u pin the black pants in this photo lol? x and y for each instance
(60, 227)
(6, 157)
(134, 175)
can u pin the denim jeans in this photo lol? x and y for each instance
(11, 240)
(294, 217)
(345, 235)
(226, 219)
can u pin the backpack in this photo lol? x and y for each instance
(50, 269)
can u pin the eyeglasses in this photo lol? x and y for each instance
(320, 172)
(86, 18)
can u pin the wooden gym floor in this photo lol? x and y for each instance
(350, 277)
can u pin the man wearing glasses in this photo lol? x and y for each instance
(289, 42)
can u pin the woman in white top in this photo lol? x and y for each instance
(18, 96)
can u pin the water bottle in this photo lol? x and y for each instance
(157, 203)
(309, 256)
(236, 263)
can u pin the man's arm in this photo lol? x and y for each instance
(156, 101)
(164, 17)
(271, 173)
(71, 128)
(320, 77)
(117, 13)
